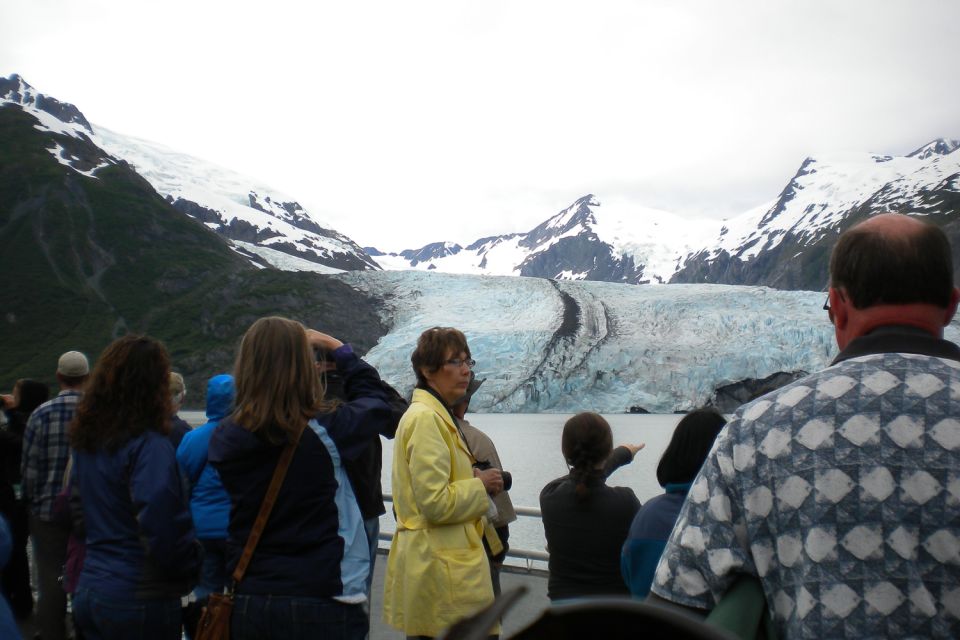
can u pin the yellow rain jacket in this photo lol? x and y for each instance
(437, 570)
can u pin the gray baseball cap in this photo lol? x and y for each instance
(73, 364)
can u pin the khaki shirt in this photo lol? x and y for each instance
(483, 449)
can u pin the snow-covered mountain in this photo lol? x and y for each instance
(561, 346)
(610, 242)
(786, 244)
(269, 227)
(782, 243)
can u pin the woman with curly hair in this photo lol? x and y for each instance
(141, 551)
(307, 575)
(584, 520)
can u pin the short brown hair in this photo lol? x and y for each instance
(432, 348)
(877, 268)
(278, 388)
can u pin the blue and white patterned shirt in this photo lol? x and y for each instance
(841, 492)
(46, 450)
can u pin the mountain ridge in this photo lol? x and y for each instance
(784, 243)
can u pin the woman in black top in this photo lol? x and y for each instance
(584, 520)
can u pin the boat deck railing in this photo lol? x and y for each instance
(526, 557)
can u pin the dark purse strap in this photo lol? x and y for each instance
(265, 508)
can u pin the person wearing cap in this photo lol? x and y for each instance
(45, 454)
(485, 454)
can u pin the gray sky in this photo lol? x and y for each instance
(401, 123)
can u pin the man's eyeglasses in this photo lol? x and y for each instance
(826, 305)
(457, 362)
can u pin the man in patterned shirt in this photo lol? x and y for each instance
(841, 491)
(45, 453)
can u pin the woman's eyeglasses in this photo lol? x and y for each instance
(457, 362)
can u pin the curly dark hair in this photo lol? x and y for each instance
(127, 394)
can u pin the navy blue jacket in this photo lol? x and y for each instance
(315, 523)
(140, 538)
(648, 536)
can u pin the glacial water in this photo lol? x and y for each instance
(529, 448)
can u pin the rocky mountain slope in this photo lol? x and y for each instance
(269, 227)
(788, 245)
(92, 251)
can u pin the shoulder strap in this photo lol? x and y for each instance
(265, 508)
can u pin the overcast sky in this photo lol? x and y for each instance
(400, 123)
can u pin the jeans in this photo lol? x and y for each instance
(107, 617)
(293, 618)
(213, 575)
(213, 578)
(50, 553)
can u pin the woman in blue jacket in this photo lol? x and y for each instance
(681, 461)
(141, 551)
(209, 502)
(307, 577)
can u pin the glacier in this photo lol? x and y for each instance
(565, 346)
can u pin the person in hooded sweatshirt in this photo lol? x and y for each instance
(209, 502)
(307, 576)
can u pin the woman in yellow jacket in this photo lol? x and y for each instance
(437, 570)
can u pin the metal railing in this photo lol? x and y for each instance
(528, 556)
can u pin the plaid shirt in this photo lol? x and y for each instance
(45, 452)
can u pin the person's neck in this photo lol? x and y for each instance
(926, 317)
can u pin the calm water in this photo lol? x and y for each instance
(529, 447)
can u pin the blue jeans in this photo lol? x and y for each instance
(106, 617)
(293, 618)
(213, 575)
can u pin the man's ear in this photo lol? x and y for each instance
(952, 307)
(838, 308)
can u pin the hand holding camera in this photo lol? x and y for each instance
(491, 479)
(506, 480)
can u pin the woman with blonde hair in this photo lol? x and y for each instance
(437, 570)
(307, 575)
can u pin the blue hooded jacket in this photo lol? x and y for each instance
(209, 502)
